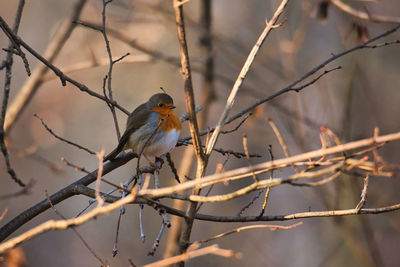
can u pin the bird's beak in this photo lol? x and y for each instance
(172, 107)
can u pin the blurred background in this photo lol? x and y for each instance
(350, 102)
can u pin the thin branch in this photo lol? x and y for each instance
(361, 204)
(110, 69)
(297, 89)
(172, 166)
(268, 190)
(62, 139)
(246, 152)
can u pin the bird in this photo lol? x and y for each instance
(152, 129)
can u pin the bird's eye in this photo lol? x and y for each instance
(160, 105)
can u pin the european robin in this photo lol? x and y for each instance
(152, 125)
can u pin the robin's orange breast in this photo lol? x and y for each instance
(171, 122)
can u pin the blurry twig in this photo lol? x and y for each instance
(3, 214)
(62, 139)
(280, 140)
(363, 15)
(24, 191)
(361, 204)
(246, 152)
(98, 178)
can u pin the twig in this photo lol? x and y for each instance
(62, 139)
(251, 202)
(237, 230)
(115, 247)
(165, 223)
(98, 178)
(298, 89)
(110, 68)
(82, 169)
(172, 166)
(7, 88)
(246, 152)
(267, 191)
(361, 204)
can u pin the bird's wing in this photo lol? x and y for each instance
(136, 119)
